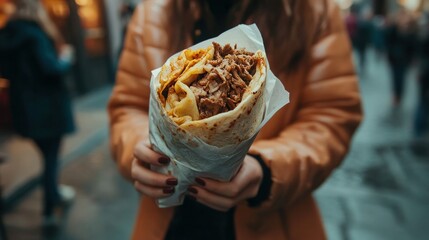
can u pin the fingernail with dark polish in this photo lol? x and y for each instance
(200, 181)
(168, 190)
(192, 190)
(164, 160)
(172, 182)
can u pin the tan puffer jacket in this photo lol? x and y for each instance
(302, 144)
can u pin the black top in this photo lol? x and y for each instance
(40, 105)
(215, 21)
(194, 221)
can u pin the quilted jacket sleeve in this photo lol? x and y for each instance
(128, 106)
(305, 152)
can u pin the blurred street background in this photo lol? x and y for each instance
(379, 192)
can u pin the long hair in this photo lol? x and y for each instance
(33, 10)
(289, 27)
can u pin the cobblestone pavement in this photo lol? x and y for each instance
(105, 206)
(381, 189)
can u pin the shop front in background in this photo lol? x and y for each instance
(82, 23)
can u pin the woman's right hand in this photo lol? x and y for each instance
(146, 181)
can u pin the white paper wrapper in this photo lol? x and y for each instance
(192, 157)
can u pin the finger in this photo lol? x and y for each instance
(247, 193)
(144, 153)
(231, 189)
(225, 189)
(148, 177)
(153, 192)
(212, 200)
(217, 204)
(245, 177)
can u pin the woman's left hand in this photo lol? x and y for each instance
(223, 196)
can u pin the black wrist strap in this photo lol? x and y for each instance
(265, 188)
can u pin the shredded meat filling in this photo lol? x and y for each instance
(222, 87)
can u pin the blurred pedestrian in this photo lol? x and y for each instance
(422, 113)
(34, 58)
(378, 34)
(364, 30)
(351, 25)
(401, 45)
(308, 49)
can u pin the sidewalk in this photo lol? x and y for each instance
(24, 162)
(105, 206)
(381, 189)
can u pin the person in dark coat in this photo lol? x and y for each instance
(378, 41)
(34, 59)
(401, 43)
(422, 113)
(362, 40)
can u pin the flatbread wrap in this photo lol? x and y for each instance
(207, 104)
(215, 93)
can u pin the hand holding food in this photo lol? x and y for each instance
(223, 196)
(146, 181)
(207, 104)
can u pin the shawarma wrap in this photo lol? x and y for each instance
(215, 93)
(207, 104)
